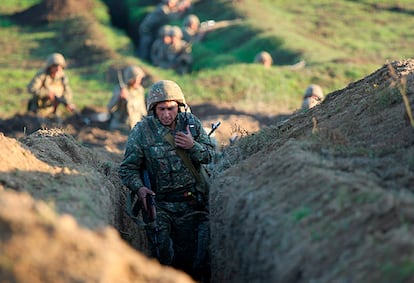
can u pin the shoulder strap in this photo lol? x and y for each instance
(184, 156)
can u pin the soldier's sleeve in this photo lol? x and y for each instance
(203, 150)
(155, 50)
(36, 85)
(114, 99)
(68, 94)
(129, 170)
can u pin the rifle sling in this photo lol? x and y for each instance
(184, 156)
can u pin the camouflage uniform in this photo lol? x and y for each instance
(42, 83)
(131, 110)
(190, 28)
(179, 57)
(152, 22)
(181, 217)
(312, 96)
(160, 46)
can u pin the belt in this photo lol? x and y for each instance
(186, 195)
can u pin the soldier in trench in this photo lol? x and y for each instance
(313, 96)
(164, 13)
(127, 104)
(171, 145)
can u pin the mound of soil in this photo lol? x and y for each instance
(80, 37)
(325, 196)
(52, 10)
(38, 246)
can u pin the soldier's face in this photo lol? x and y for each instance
(166, 112)
(56, 71)
(135, 82)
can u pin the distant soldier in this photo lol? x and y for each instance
(172, 146)
(127, 104)
(50, 88)
(160, 46)
(176, 55)
(264, 58)
(312, 96)
(191, 27)
(163, 14)
(179, 52)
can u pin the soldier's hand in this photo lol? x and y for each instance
(71, 107)
(184, 139)
(142, 195)
(51, 95)
(123, 94)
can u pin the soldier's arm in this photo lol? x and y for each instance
(203, 149)
(67, 94)
(114, 99)
(129, 170)
(37, 87)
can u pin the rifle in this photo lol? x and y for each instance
(214, 127)
(152, 214)
(121, 102)
(62, 100)
(134, 206)
(212, 25)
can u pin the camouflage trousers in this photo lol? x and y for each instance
(183, 237)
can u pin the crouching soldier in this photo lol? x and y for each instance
(127, 104)
(50, 88)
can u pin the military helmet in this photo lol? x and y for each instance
(314, 90)
(164, 30)
(263, 57)
(191, 19)
(164, 90)
(132, 72)
(176, 32)
(55, 59)
(168, 1)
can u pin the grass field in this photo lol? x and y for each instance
(341, 42)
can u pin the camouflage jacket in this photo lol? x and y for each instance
(179, 53)
(159, 52)
(147, 148)
(132, 110)
(162, 15)
(42, 84)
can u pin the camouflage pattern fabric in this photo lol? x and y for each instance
(179, 57)
(127, 111)
(40, 86)
(189, 34)
(159, 51)
(150, 25)
(179, 215)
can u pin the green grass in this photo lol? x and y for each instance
(340, 41)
